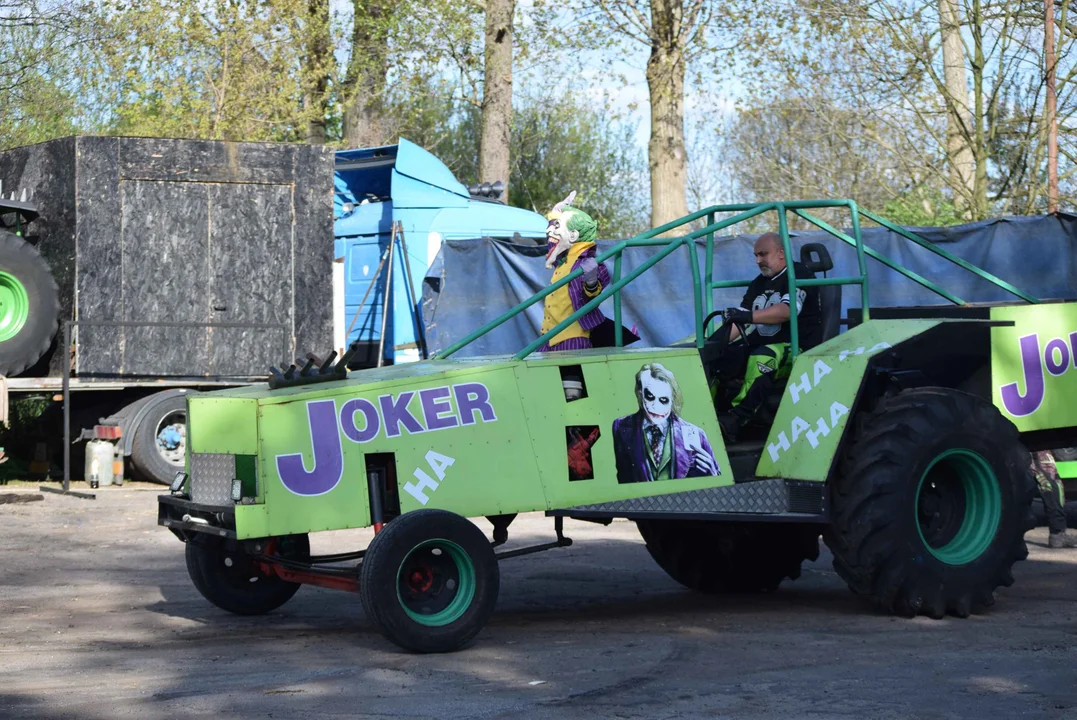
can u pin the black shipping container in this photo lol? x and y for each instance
(157, 233)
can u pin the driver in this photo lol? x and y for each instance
(762, 355)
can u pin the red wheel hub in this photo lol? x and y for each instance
(420, 579)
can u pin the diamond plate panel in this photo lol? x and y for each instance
(211, 478)
(761, 496)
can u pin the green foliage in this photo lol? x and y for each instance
(922, 207)
(556, 146)
(40, 50)
(567, 145)
(222, 69)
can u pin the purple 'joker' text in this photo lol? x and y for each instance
(362, 420)
(1058, 357)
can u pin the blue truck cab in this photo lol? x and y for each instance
(403, 183)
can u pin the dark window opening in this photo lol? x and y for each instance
(572, 382)
(382, 467)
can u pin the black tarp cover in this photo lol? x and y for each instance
(473, 281)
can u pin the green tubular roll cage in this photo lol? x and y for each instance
(703, 287)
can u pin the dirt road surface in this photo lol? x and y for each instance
(99, 620)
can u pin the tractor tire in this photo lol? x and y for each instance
(229, 578)
(931, 503)
(29, 305)
(153, 459)
(429, 581)
(730, 557)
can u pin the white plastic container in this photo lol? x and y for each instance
(99, 455)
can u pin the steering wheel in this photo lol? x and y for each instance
(716, 344)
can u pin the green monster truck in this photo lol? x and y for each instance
(886, 439)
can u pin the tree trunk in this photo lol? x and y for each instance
(667, 157)
(319, 59)
(978, 209)
(959, 128)
(1049, 118)
(497, 95)
(364, 83)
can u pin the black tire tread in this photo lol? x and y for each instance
(147, 464)
(730, 557)
(873, 474)
(34, 340)
(378, 572)
(205, 568)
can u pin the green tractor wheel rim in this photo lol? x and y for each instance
(958, 506)
(436, 583)
(14, 306)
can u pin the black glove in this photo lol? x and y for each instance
(737, 315)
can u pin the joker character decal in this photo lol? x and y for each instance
(570, 238)
(655, 443)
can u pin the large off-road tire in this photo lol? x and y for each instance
(158, 449)
(931, 503)
(730, 557)
(429, 581)
(229, 578)
(29, 305)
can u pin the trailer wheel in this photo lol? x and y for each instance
(429, 581)
(159, 447)
(730, 557)
(230, 579)
(931, 504)
(29, 305)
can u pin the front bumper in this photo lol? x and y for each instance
(184, 517)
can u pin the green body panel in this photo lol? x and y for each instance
(821, 392)
(497, 435)
(492, 457)
(222, 424)
(1067, 470)
(1034, 365)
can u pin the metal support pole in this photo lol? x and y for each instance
(386, 303)
(861, 261)
(374, 487)
(66, 363)
(420, 331)
(618, 331)
(791, 276)
(708, 270)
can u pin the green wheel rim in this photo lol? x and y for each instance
(436, 583)
(958, 506)
(14, 306)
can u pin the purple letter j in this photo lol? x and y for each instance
(1021, 405)
(328, 458)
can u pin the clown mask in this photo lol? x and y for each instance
(657, 399)
(559, 237)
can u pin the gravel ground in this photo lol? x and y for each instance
(99, 620)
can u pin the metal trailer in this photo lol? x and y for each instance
(175, 265)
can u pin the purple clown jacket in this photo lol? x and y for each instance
(629, 449)
(579, 298)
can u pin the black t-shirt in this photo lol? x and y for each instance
(764, 292)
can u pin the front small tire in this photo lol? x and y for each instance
(229, 577)
(429, 581)
(931, 504)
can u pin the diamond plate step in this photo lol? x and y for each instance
(772, 499)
